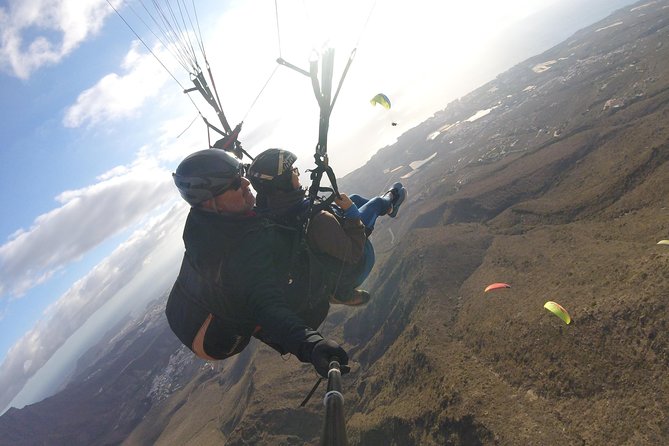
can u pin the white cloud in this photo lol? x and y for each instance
(42, 32)
(101, 285)
(120, 198)
(87, 217)
(116, 96)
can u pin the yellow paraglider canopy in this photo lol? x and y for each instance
(381, 99)
(558, 310)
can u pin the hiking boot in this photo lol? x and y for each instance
(354, 299)
(399, 195)
(392, 195)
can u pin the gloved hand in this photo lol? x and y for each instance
(324, 351)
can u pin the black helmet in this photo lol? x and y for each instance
(272, 170)
(203, 175)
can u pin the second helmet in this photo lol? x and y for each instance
(272, 170)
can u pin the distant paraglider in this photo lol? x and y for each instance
(496, 286)
(663, 242)
(382, 100)
(558, 310)
(393, 124)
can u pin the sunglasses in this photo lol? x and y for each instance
(235, 184)
(218, 186)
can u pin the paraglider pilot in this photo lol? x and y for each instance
(338, 236)
(237, 278)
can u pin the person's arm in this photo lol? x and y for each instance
(260, 283)
(345, 242)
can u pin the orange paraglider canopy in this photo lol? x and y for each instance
(496, 286)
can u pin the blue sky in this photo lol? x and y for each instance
(90, 124)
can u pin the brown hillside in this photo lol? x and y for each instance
(554, 178)
(562, 190)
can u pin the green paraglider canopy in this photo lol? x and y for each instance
(558, 310)
(381, 99)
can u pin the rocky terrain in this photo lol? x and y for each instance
(554, 178)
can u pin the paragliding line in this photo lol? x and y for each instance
(261, 91)
(278, 33)
(185, 56)
(285, 63)
(323, 96)
(148, 49)
(341, 81)
(189, 125)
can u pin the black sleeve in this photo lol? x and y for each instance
(261, 283)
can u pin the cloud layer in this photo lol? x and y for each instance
(86, 218)
(123, 197)
(118, 96)
(101, 285)
(35, 33)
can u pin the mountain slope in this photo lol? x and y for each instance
(554, 177)
(561, 190)
(564, 186)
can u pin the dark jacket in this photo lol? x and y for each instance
(339, 251)
(243, 277)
